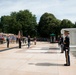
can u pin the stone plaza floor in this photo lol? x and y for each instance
(41, 59)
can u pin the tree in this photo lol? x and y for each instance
(0, 27)
(65, 23)
(74, 25)
(5, 23)
(28, 22)
(22, 20)
(25, 21)
(48, 24)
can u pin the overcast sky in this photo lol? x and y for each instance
(62, 9)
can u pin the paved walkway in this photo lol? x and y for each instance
(41, 59)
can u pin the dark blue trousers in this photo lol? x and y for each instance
(67, 56)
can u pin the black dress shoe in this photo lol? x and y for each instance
(66, 65)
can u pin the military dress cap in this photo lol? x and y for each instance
(66, 31)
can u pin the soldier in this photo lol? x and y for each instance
(66, 48)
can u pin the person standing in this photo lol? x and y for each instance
(67, 48)
(19, 42)
(19, 39)
(61, 43)
(28, 41)
(7, 39)
(58, 39)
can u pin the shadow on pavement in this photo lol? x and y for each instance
(46, 64)
(52, 52)
(10, 48)
(54, 48)
(47, 48)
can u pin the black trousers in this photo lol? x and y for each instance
(19, 43)
(7, 44)
(67, 56)
(28, 44)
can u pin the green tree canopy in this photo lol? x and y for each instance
(22, 20)
(25, 21)
(48, 24)
(65, 23)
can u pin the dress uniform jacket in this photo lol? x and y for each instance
(66, 42)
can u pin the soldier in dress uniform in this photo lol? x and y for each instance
(67, 48)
